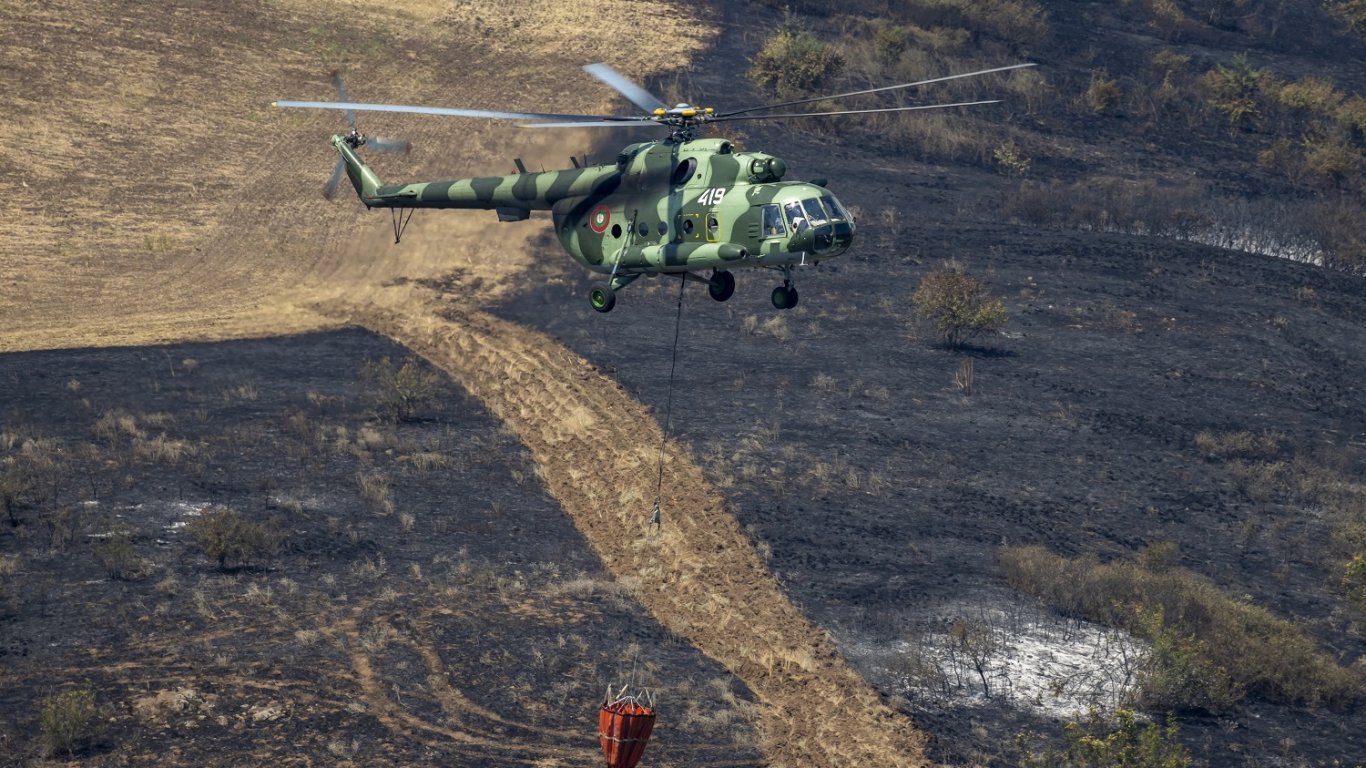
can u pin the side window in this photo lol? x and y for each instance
(712, 227)
(773, 221)
(796, 217)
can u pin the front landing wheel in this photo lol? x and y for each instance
(785, 297)
(602, 297)
(721, 286)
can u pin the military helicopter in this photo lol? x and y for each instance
(680, 205)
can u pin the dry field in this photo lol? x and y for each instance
(151, 195)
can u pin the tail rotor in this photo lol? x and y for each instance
(357, 139)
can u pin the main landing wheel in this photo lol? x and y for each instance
(602, 297)
(721, 286)
(785, 297)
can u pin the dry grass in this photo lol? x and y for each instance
(1265, 655)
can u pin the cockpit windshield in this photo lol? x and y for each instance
(837, 210)
(796, 217)
(815, 212)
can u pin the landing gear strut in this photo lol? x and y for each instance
(721, 286)
(785, 295)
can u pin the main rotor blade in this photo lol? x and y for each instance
(853, 111)
(449, 111)
(636, 94)
(617, 123)
(341, 94)
(330, 188)
(876, 90)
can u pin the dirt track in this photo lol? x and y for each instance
(142, 217)
(699, 574)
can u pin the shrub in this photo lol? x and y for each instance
(1235, 89)
(67, 721)
(1354, 581)
(1102, 95)
(1097, 743)
(1350, 12)
(793, 62)
(400, 391)
(1012, 161)
(1209, 648)
(227, 536)
(956, 305)
(115, 552)
(1317, 96)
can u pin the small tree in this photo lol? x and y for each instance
(399, 391)
(956, 305)
(227, 536)
(67, 720)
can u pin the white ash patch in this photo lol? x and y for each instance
(974, 655)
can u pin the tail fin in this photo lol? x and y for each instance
(365, 181)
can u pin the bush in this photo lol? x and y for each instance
(1351, 12)
(1208, 648)
(227, 536)
(1096, 743)
(793, 62)
(67, 721)
(1102, 95)
(1354, 581)
(120, 560)
(400, 391)
(956, 305)
(1235, 89)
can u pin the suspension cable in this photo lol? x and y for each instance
(669, 405)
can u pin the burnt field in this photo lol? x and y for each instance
(883, 484)
(424, 584)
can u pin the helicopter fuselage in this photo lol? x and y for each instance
(665, 206)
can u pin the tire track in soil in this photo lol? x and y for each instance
(699, 575)
(399, 721)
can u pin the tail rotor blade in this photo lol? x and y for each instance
(389, 145)
(330, 188)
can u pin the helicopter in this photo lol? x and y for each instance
(681, 205)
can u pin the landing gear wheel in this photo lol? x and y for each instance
(785, 297)
(721, 286)
(602, 297)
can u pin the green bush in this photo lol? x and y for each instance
(67, 721)
(956, 305)
(1209, 648)
(398, 392)
(1098, 743)
(227, 536)
(1236, 89)
(794, 63)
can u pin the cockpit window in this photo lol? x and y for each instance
(833, 205)
(796, 217)
(773, 221)
(815, 212)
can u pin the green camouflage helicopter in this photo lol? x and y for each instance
(680, 205)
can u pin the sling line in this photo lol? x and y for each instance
(668, 407)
